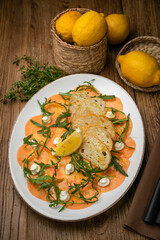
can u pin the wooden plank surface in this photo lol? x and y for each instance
(24, 29)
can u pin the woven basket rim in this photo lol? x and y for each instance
(132, 42)
(65, 44)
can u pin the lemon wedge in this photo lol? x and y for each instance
(70, 144)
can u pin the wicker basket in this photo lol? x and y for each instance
(74, 59)
(148, 44)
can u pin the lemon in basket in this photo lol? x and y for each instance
(65, 23)
(89, 29)
(70, 144)
(140, 68)
(118, 28)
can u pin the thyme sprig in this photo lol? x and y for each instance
(34, 76)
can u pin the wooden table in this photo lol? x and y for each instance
(25, 29)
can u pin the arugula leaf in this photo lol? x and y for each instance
(124, 143)
(26, 170)
(119, 121)
(125, 129)
(106, 97)
(117, 166)
(113, 110)
(87, 85)
(43, 166)
(67, 95)
(42, 107)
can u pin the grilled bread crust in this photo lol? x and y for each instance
(76, 99)
(90, 105)
(92, 119)
(95, 151)
(99, 132)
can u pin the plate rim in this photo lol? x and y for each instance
(61, 219)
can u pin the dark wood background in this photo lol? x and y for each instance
(25, 29)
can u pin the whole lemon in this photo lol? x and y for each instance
(65, 23)
(118, 28)
(89, 29)
(140, 68)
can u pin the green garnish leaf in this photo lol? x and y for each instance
(106, 97)
(117, 166)
(119, 121)
(125, 129)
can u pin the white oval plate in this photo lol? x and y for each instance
(107, 200)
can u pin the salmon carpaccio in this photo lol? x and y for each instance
(116, 178)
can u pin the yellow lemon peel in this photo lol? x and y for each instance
(65, 23)
(89, 29)
(118, 28)
(140, 68)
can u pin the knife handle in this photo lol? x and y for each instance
(154, 206)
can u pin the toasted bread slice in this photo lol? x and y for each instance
(76, 99)
(95, 151)
(92, 119)
(101, 133)
(90, 105)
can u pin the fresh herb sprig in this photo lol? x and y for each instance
(125, 129)
(106, 97)
(124, 143)
(114, 110)
(117, 166)
(42, 107)
(119, 121)
(34, 76)
(85, 86)
(26, 170)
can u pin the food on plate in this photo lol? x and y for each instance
(71, 163)
(140, 68)
(76, 100)
(89, 29)
(70, 144)
(65, 23)
(101, 133)
(95, 151)
(118, 28)
(93, 119)
(90, 105)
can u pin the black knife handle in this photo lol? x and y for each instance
(154, 206)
